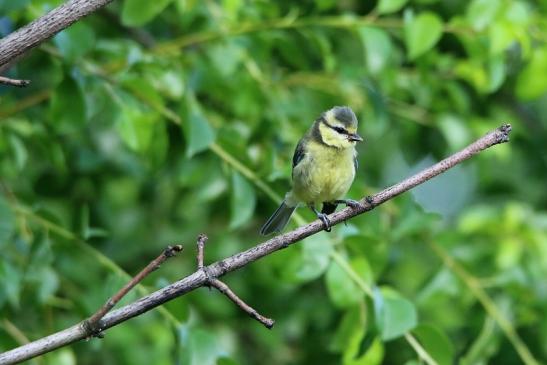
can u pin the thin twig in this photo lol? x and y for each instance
(199, 278)
(225, 289)
(13, 82)
(93, 322)
(202, 239)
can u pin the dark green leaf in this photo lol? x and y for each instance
(75, 41)
(139, 12)
(435, 343)
(7, 222)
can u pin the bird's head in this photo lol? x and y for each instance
(337, 127)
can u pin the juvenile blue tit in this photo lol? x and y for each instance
(323, 168)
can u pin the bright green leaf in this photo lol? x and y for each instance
(395, 315)
(310, 261)
(532, 81)
(136, 127)
(422, 33)
(482, 13)
(390, 6)
(351, 324)
(139, 12)
(377, 45)
(374, 355)
(436, 343)
(242, 201)
(342, 290)
(197, 131)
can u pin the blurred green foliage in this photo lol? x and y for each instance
(152, 121)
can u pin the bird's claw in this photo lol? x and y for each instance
(326, 221)
(353, 204)
(369, 200)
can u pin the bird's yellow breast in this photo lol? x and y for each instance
(324, 174)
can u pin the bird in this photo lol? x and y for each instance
(323, 168)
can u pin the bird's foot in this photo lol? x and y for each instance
(326, 221)
(369, 200)
(353, 204)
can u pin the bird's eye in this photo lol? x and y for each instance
(340, 130)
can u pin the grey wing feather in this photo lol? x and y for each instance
(299, 154)
(355, 163)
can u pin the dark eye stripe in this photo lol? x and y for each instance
(337, 129)
(340, 130)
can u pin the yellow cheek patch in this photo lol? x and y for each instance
(333, 138)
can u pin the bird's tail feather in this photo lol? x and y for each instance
(278, 220)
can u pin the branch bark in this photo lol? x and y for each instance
(17, 43)
(203, 276)
(93, 323)
(13, 82)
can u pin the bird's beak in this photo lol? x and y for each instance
(354, 137)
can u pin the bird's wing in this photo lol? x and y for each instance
(355, 162)
(299, 154)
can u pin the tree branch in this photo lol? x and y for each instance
(13, 82)
(203, 276)
(225, 289)
(17, 43)
(93, 323)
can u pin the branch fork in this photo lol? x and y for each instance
(93, 326)
(212, 281)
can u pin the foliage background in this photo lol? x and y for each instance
(150, 122)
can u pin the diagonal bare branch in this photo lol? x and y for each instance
(19, 42)
(203, 276)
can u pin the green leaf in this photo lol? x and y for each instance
(136, 127)
(352, 323)
(343, 292)
(19, 151)
(436, 343)
(242, 202)
(374, 355)
(139, 12)
(377, 45)
(48, 284)
(67, 107)
(422, 33)
(482, 13)
(390, 6)
(198, 346)
(197, 131)
(11, 278)
(310, 262)
(532, 81)
(496, 73)
(395, 315)
(7, 221)
(75, 41)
